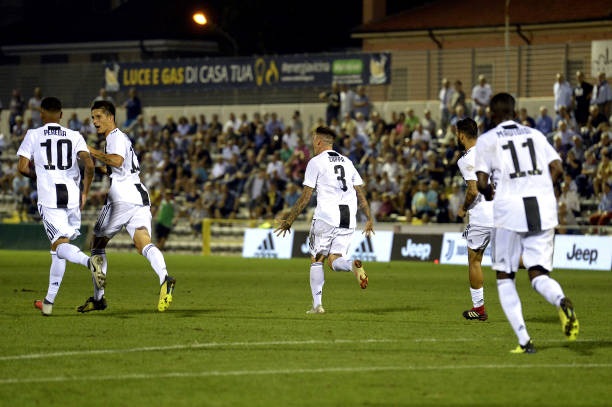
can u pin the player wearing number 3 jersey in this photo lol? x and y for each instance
(516, 168)
(55, 152)
(339, 192)
(127, 205)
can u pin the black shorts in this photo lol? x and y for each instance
(161, 231)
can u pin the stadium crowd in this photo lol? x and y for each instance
(253, 167)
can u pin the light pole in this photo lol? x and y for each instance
(200, 19)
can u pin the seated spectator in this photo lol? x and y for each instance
(566, 117)
(74, 123)
(273, 201)
(567, 220)
(421, 135)
(423, 203)
(525, 119)
(544, 122)
(569, 198)
(567, 135)
(455, 201)
(604, 209)
(584, 181)
(603, 175)
(428, 123)
(387, 208)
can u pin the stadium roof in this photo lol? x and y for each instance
(453, 14)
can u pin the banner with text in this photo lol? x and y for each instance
(583, 252)
(455, 250)
(416, 247)
(601, 58)
(374, 248)
(255, 72)
(264, 243)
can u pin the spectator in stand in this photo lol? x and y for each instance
(602, 95)
(562, 91)
(103, 95)
(569, 198)
(571, 165)
(578, 148)
(565, 116)
(583, 91)
(273, 201)
(332, 98)
(74, 123)
(164, 216)
(422, 207)
(34, 108)
(544, 122)
(18, 131)
(88, 130)
(226, 204)
(296, 123)
(455, 201)
(595, 121)
(153, 127)
(274, 125)
(292, 194)
(411, 121)
(567, 135)
(361, 103)
(170, 125)
(183, 126)
(481, 93)
(604, 209)
(428, 123)
(261, 139)
(604, 171)
(256, 188)
(459, 114)
(458, 98)
(133, 107)
(347, 101)
(584, 181)
(16, 108)
(215, 125)
(421, 138)
(445, 96)
(525, 119)
(566, 219)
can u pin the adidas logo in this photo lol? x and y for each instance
(266, 247)
(365, 250)
(55, 283)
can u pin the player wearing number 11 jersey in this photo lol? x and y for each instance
(516, 167)
(127, 204)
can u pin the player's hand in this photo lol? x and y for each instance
(368, 230)
(283, 226)
(461, 212)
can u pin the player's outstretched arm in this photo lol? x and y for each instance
(285, 221)
(365, 207)
(114, 160)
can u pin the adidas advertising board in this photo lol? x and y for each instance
(373, 248)
(416, 247)
(264, 243)
(455, 250)
(583, 252)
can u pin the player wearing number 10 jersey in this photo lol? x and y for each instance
(55, 152)
(516, 167)
(127, 204)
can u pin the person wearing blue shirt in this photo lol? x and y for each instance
(544, 122)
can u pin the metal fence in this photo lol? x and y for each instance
(525, 71)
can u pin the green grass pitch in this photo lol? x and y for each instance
(237, 335)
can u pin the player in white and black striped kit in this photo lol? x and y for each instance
(480, 218)
(127, 204)
(516, 168)
(339, 192)
(55, 152)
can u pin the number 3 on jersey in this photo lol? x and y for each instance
(515, 161)
(338, 169)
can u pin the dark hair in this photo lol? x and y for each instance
(105, 105)
(502, 107)
(51, 104)
(468, 127)
(327, 133)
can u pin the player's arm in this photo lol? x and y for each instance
(556, 171)
(484, 187)
(24, 167)
(114, 160)
(285, 221)
(88, 173)
(470, 195)
(362, 202)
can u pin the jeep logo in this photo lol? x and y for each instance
(420, 250)
(589, 255)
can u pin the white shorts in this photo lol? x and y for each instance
(477, 237)
(326, 239)
(114, 216)
(536, 248)
(61, 222)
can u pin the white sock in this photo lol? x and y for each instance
(548, 288)
(71, 253)
(56, 274)
(156, 258)
(511, 304)
(317, 279)
(477, 296)
(342, 264)
(99, 293)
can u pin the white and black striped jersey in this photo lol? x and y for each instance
(125, 180)
(480, 211)
(517, 159)
(54, 150)
(334, 177)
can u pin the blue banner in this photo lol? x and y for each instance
(253, 72)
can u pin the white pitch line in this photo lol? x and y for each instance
(236, 373)
(187, 346)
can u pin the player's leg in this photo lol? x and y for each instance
(56, 275)
(478, 239)
(538, 258)
(338, 259)
(139, 228)
(319, 240)
(506, 247)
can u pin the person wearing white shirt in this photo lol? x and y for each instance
(516, 167)
(563, 93)
(479, 229)
(481, 93)
(340, 191)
